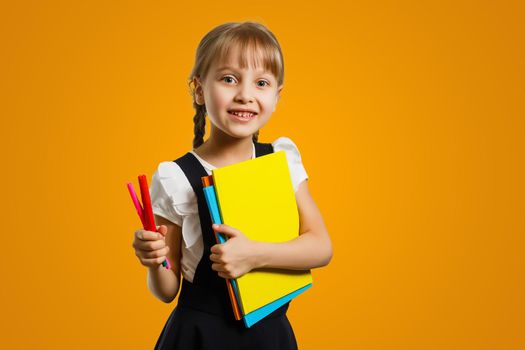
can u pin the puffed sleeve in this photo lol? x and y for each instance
(295, 164)
(161, 190)
(173, 198)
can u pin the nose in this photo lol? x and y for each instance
(244, 93)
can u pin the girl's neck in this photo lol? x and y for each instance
(224, 150)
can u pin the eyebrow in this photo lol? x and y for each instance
(234, 69)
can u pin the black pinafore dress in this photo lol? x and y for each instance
(203, 318)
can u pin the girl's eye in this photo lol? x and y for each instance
(228, 77)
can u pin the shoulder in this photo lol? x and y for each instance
(168, 174)
(292, 151)
(169, 181)
(173, 198)
(293, 156)
(286, 144)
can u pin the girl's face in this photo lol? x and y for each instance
(228, 89)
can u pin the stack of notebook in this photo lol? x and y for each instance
(257, 198)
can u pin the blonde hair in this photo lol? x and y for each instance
(250, 37)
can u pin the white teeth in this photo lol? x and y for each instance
(243, 114)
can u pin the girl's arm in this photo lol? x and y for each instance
(164, 283)
(313, 247)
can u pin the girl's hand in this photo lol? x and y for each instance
(235, 257)
(150, 247)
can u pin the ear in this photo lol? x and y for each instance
(279, 89)
(199, 96)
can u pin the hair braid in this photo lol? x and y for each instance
(199, 122)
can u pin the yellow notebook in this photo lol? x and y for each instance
(257, 198)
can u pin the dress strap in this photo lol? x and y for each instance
(262, 149)
(208, 292)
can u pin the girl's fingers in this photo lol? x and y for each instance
(227, 230)
(218, 267)
(150, 248)
(156, 253)
(162, 229)
(144, 235)
(149, 245)
(153, 262)
(224, 275)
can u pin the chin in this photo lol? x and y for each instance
(241, 135)
(238, 132)
(242, 131)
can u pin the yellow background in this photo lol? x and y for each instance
(409, 119)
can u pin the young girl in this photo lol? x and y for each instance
(236, 82)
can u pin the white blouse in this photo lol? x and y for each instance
(173, 198)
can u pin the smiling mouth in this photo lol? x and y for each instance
(243, 115)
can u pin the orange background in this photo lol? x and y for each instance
(417, 108)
